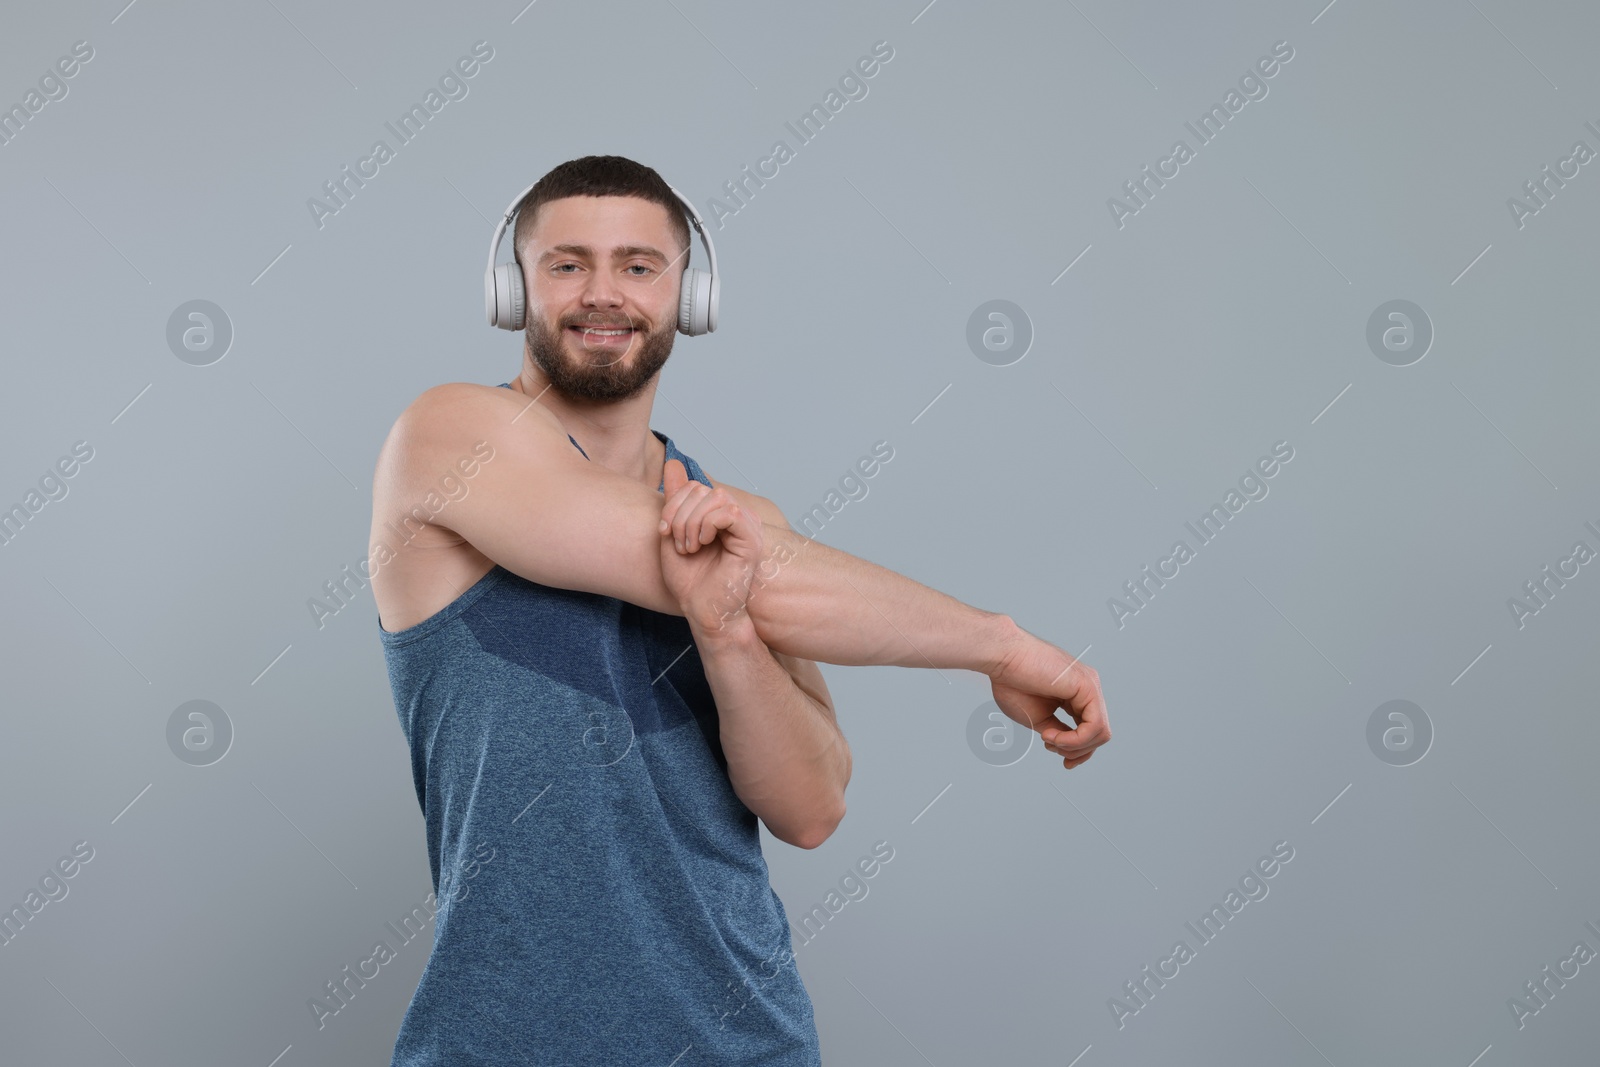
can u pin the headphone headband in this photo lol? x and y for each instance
(505, 300)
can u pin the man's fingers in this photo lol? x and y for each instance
(676, 488)
(1074, 689)
(700, 526)
(1087, 706)
(692, 515)
(680, 507)
(714, 511)
(1092, 732)
(1069, 743)
(1069, 759)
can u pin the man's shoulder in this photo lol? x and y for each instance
(440, 414)
(448, 423)
(450, 398)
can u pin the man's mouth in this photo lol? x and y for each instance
(602, 334)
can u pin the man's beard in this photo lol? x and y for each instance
(597, 373)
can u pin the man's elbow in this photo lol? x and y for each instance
(815, 834)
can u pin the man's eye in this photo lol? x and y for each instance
(558, 267)
(639, 266)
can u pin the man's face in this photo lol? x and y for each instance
(595, 265)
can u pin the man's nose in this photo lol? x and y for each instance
(601, 291)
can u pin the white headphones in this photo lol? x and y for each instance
(505, 300)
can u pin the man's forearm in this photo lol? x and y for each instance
(787, 759)
(809, 600)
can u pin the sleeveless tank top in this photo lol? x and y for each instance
(600, 890)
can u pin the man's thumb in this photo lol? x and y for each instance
(673, 476)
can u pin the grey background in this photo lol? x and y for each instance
(1230, 313)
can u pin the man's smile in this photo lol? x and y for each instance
(603, 335)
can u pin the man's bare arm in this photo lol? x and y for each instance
(787, 759)
(551, 517)
(543, 512)
(800, 581)
(868, 614)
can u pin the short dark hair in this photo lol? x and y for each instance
(600, 176)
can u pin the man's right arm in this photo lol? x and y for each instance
(542, 511)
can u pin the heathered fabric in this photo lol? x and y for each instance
(602, 897)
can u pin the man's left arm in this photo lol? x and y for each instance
(787, 758)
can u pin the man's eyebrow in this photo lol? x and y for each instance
(620, 252)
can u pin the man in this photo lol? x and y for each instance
(604, 662)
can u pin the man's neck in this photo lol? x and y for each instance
(614, 434)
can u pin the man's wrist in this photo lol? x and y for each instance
(728, 628)
(1001, 641)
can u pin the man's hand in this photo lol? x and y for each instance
(710, 547)
(1035, 679)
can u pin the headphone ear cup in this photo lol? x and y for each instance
(697, 306)
(507, 301)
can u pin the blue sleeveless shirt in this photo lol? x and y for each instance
(601, 894)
